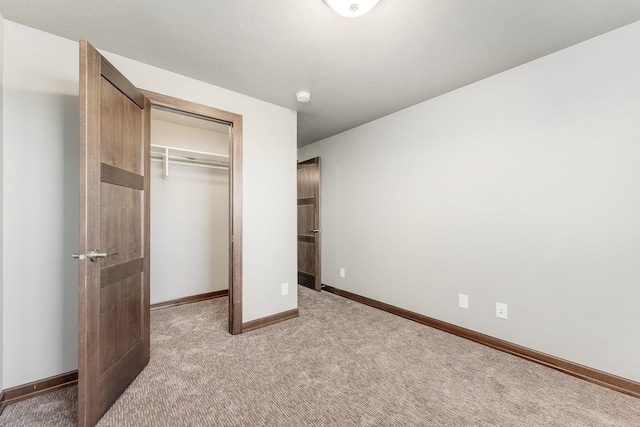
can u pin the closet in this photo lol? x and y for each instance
(189, 206)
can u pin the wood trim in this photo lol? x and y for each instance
(235, 204)
(269, 320)
(308, 162)
(147, 230)
(2, 402)
(190, 299)
(113, 175)
(235, 190)
(586, 373)
(36, 388)
(191, 108)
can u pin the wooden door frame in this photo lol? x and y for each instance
(193, 109)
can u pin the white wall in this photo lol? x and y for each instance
(40, 205)
(521, 188)
(40, 197)
(189, 217)
(1, 186)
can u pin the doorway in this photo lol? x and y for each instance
(189, 209)
(309, 232)
(233, 122)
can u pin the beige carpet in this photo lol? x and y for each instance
(339, 364)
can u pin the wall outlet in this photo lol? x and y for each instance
(463, 301)
(343, 273)
(501, 310)
(285, 288)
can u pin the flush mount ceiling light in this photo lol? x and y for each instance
(351, 8)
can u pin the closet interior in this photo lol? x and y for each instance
(189, 206)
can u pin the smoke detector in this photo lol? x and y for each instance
(303, 96)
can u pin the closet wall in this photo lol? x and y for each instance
(189, 211)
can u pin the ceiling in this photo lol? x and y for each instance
(357, 69)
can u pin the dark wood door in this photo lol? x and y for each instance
(309, 224)
(114, 193)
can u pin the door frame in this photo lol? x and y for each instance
(234, 120)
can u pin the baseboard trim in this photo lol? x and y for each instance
(36, 388)
(190, 299)
(586, 373)
(269, 320)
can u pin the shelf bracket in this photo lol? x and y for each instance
(166, 162)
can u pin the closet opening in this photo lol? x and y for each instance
(196, 205)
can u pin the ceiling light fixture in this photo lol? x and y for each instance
(351, 8)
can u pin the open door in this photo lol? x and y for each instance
(309, 224)
(113, 280)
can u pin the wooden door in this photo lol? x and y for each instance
(114, 193)
(309, 224)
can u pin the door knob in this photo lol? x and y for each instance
(93, 255)
(316, 230)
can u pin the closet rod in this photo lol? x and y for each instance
(158, 159)
(161, 149)
(188, 157)
(189, 160)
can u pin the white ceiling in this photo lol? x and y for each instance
(357, 69)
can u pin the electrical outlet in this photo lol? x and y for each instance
(343, 273)
(501, 310)
(285, 288)
(463, 301)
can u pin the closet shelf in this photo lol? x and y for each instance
(168, 154)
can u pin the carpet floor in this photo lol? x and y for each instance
(339, 364)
